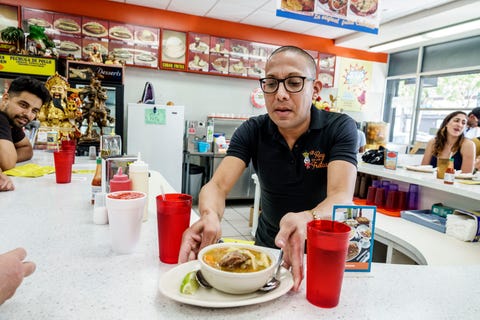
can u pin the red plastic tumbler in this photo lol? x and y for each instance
(327, 244)
(173, 218)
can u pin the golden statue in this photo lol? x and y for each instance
(57, 114)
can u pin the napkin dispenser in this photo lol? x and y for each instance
(110, 167)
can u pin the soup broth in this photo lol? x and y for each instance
(234, 259)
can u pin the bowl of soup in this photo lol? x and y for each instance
(236, 268)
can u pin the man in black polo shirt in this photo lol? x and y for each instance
(305, 160)
(19, 106)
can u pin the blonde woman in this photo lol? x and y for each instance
(450, 142)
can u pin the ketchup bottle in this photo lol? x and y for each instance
(120, 182)
(449, 177)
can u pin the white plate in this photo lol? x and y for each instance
(424, 168)
(461, 175)
(210, 298)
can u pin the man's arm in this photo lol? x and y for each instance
(211, 207)
(8, 155)
(293, 226)
(24, 150)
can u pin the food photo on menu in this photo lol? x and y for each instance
(121, 51)
(173, 46)
(68, 46)
(145, 56)
(198, 62)
(89, 45)
(146, 35)
(238, 66)
(121, 32)
(361, 220)
(198, 43)
(38, 18)
(219, 46)
(363, 7)
(300, 6)
(67, 24)
(94, 28)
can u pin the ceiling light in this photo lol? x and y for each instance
(435, 34)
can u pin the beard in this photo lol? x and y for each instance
(57, 102)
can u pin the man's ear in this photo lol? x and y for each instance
(317, 87)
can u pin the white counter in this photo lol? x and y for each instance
(79, 277)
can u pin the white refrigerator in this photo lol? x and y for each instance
(157, 132)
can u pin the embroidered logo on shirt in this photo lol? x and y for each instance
(314, 160)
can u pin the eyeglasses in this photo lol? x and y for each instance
(292, 84)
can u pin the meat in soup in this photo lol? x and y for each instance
(234, 259)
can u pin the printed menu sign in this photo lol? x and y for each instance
(173, 49)
(27, 65)
(361, 220)
(358, 15)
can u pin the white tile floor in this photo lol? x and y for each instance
(235, 221)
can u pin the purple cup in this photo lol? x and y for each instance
(413, 197)
(376, 183)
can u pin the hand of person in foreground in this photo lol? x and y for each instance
(291, 238)
(12, 271)
(205, 231)
(6, 183)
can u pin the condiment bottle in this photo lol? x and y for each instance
(138, 173)
(120, 182)
(97, 180)
(449, 176)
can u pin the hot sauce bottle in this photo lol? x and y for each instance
(449, 177)
(97, 180)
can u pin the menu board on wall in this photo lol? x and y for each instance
(326, 69)
(8, 18)
(219, 53)
(358, 15)
(198, 51)
(173, 49)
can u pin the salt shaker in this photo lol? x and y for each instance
(100, 215)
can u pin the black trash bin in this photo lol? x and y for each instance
(196, 180)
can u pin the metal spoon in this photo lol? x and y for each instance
(201, 280)
(274, 282)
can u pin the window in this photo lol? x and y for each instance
(417, 102)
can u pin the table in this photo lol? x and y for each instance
(79, 277)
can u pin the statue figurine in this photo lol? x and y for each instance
(94, 109)
(56, 113)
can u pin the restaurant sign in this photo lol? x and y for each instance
(27, 65)
(84, 71)
(363, 16)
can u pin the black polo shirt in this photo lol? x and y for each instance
(292, 180)
(8, 131)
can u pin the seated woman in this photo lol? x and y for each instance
(451, 143)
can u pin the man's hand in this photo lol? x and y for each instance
(291, 238)
(205, 231)
(12, 271)
(6, 183)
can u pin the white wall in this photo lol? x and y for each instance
(205, 94)
(200, 94)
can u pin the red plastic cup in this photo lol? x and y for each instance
(402, 200)
(63, 166)
(380, 197)
(173, 218)
(392, 200)
(371, 195)
(69, 145)
(327, 244)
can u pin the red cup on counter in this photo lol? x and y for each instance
(327, 245)
(371, 195)
(69, 145)
(63, 166)
(173, 218)
(392, 200)
(380, 197)
(401, 200)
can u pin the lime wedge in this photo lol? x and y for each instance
(189, 283)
